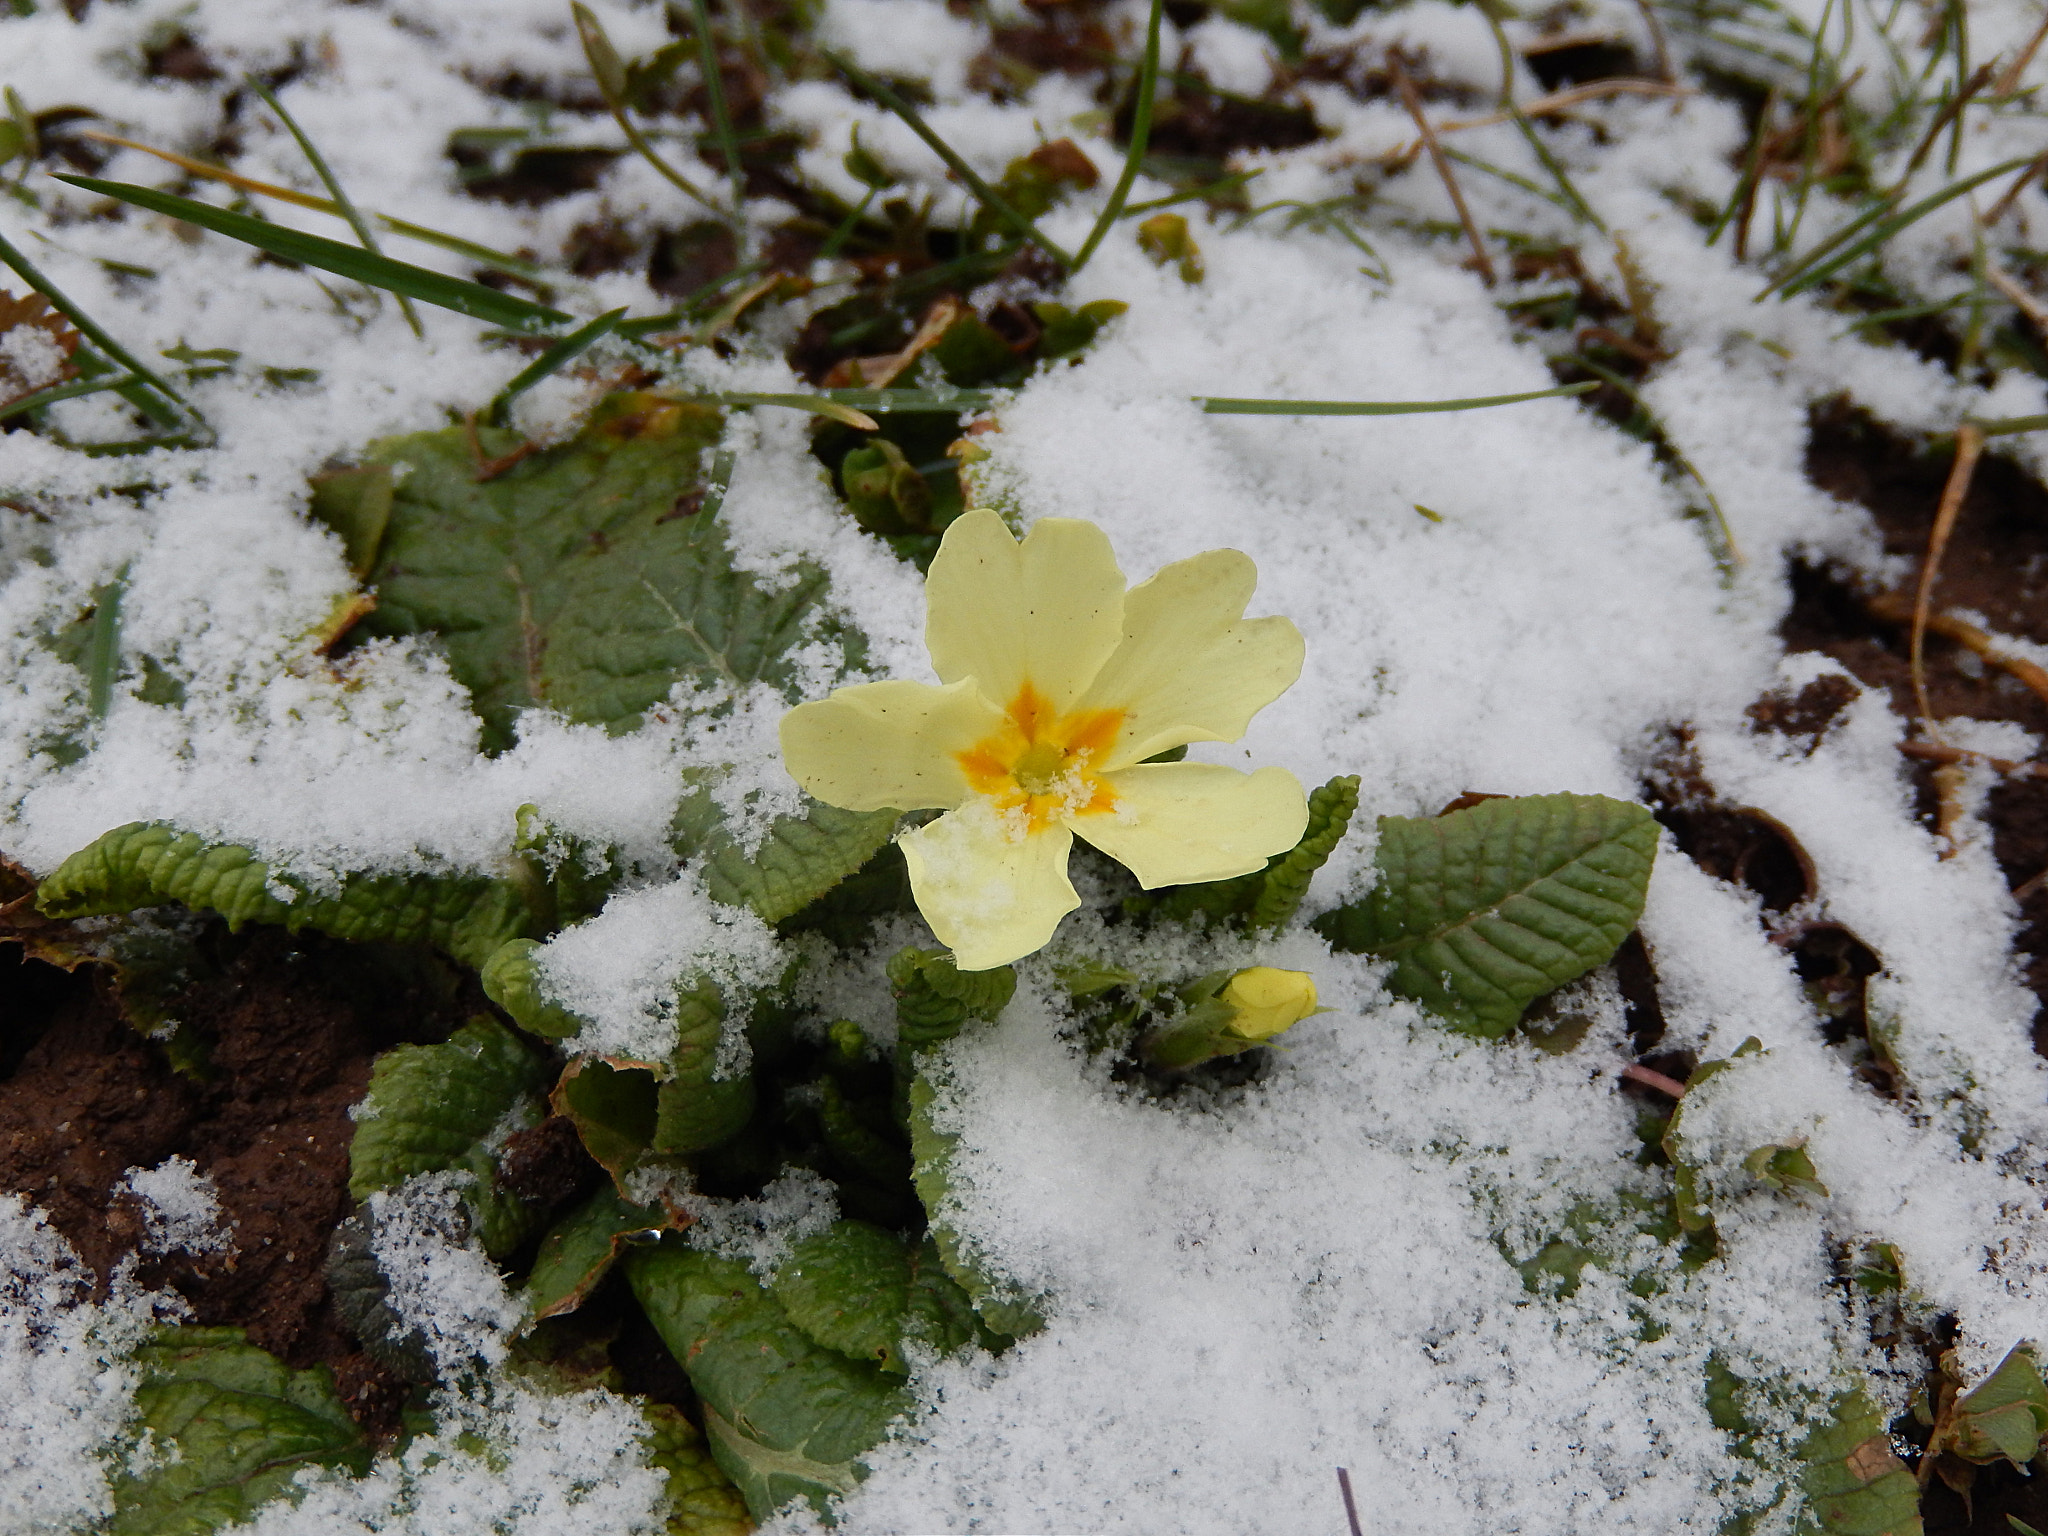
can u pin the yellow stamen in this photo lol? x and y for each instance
(1042, 765)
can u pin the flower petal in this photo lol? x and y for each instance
(887, 746)
(1181, 823)
(1191, 667)
(1047, 611)
(990, 897)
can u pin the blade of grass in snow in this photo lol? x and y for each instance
(72, 391)
(1141, 135)
(558, 356)
(333, 185)
(1215, 188)
(166, 411)
(103, 646)
(846, 226)
(1214, 405)
(818, 405)
(1721, 538)
(1905, 312)
(1887, 228)
(609, 70)
(1512, 178)
(714, 92)
(988, 196)
(1752, 167)
(1580, 207)
(482, 255)
(429, 287)
(717, 483)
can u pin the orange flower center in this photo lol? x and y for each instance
(1040, 767)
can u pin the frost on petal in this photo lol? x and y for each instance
(1191, 666)
(1182, 823)
(1047, 612)
(887, 746)
(991, 892)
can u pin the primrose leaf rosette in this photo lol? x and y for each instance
(1056, 686)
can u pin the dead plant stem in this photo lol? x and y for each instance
(1442, 163)
(1969, 444)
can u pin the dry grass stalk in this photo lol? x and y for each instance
(1969, 444)
(1443, 170)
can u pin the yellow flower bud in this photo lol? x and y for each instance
(1264, 1001)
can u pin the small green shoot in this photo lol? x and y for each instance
(987, 195)
(429, 287)
(1216, 406)
(555, 358)
(1141, 135)
(609, 70)
(1883, 229)
(71, 391)
(818, 405)
(1578, 206)
(332, 183)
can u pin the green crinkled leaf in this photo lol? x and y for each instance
(148, 864)
(1485, 909)
(435, 1107)
(234, 1426)
(799, 860)
(863, 1292)
(2004, 1415)
(787, 1417)
(694, 1109)
(511, 980)
(1002, 1305)
(579, 1251)
(701, 1499)
(612, 1108)
(1267, 898)
(1853, 1483)
(581, 577)
(935, 998)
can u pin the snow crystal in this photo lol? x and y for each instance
(442, 1287)
(180, 1208)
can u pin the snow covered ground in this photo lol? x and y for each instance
(1315, 1272)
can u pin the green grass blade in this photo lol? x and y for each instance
(1898, 221)
(717, 483)
(1141, 135)
(1727, 554)
(989, 197)
(556, 357)
(846, 226)
(609, 70)
(714, 91)
(881, 402)
(1512, 178)
(71, 391)
(1216, 188)
(2005, 426)
(1574, 203)
(818, 405)
(482, 255)
(157, 410)
(103, 646)
(332, 183)
(456, 293)
(1222, 406)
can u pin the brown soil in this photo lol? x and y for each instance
(292, 1025)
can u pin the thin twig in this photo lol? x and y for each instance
(1350, 1504)
(2009, 77)
(1657, 42)
(1650, 1077)
(1443, 170)
(714, 95)
(2011, 194)
(2023, 301)
(1572, 96)
(1969, 444)
(1941, 752)
(1894, 608)
(1948, 114)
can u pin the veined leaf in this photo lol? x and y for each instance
(1486, 909)
(580, 1249)
(511, 980)
(863, 1292)
(799, 860)
(432, 1107)
(2004, 1415)
(1854, 1485)
(236, 1426)
(693, 1108)
(147, 864)
(787, 1417)
(580, 577)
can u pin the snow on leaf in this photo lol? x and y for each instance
(1853, 1483)
(234, 1425)
(1487, 908)
(799, 860)
(148, 864)
(1000, 1302)
(579, 577)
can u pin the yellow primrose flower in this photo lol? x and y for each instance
(1057, 684)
